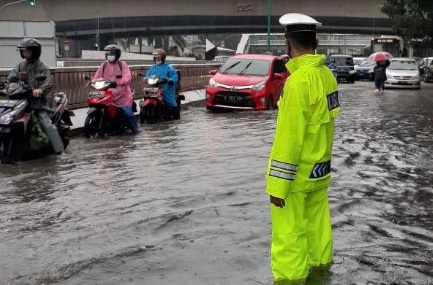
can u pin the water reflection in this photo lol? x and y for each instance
(184, 202)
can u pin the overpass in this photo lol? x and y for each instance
(83, 20)
(137, 17)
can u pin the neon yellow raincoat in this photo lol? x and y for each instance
(299, 169)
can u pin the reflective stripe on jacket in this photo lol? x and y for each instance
(300, 159)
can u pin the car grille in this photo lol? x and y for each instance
(403, 77)
(235, 99)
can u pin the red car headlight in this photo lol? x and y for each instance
(259, 86)
(213, 83)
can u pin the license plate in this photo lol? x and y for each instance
(150, 89)
(7, 103)
(96, 94)
(234, 98)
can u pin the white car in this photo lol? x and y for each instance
(403, 72)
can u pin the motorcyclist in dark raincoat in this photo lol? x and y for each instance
(30, 50)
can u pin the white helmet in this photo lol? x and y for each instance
(295, 22)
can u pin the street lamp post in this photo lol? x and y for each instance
(269, 27)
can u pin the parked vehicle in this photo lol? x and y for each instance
(365, 70)
(152, 108)
(359, 60)
(403, 72)
(247, 82)
(103, 117)
(421, 64)
(428, 73)
(342, 66)
(21, 134)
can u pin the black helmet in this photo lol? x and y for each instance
(159, 53)
(112, 50)
(31, 44)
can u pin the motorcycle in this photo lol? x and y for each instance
(21, 135)
(103, 117)
(152, 108)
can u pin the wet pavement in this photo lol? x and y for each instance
(184, 203)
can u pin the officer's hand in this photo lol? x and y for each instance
(278, 202)
(37, 92)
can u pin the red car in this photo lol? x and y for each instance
(247, 82)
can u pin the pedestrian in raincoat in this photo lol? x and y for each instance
(122, 94)
(380, 74)
(299, 168)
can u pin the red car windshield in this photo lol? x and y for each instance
(241, 66)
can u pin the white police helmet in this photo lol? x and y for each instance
(296, 22)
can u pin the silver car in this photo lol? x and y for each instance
(403, 73)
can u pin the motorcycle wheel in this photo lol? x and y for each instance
(148, 115)
(91, 126)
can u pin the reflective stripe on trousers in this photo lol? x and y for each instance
(301, 235)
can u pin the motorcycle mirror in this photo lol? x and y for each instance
(86, 78)
(118, 76)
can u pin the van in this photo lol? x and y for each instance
(342, 66)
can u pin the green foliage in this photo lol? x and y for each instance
(412, 19)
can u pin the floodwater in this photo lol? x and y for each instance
(184, 202)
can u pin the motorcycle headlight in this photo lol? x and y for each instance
(100, 85)
(259, 86)
(6, 119)
(213, 83)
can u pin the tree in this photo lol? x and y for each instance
(412, 19)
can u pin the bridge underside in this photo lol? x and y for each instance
(187, 25)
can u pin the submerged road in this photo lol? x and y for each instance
(184, 202)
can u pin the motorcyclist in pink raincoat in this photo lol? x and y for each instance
(122, 94)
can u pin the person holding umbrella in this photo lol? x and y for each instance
(382, 62)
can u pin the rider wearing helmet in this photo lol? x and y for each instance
(30, 49)
(122, 94)
(166, 72)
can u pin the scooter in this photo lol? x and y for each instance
(103, 117)
(152, 108)
(21, 135)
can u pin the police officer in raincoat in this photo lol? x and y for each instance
(299, 168)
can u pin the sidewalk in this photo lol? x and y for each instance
(80, 114)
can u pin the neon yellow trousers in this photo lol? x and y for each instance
(301, 235)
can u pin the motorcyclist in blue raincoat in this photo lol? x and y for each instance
(168, 74)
